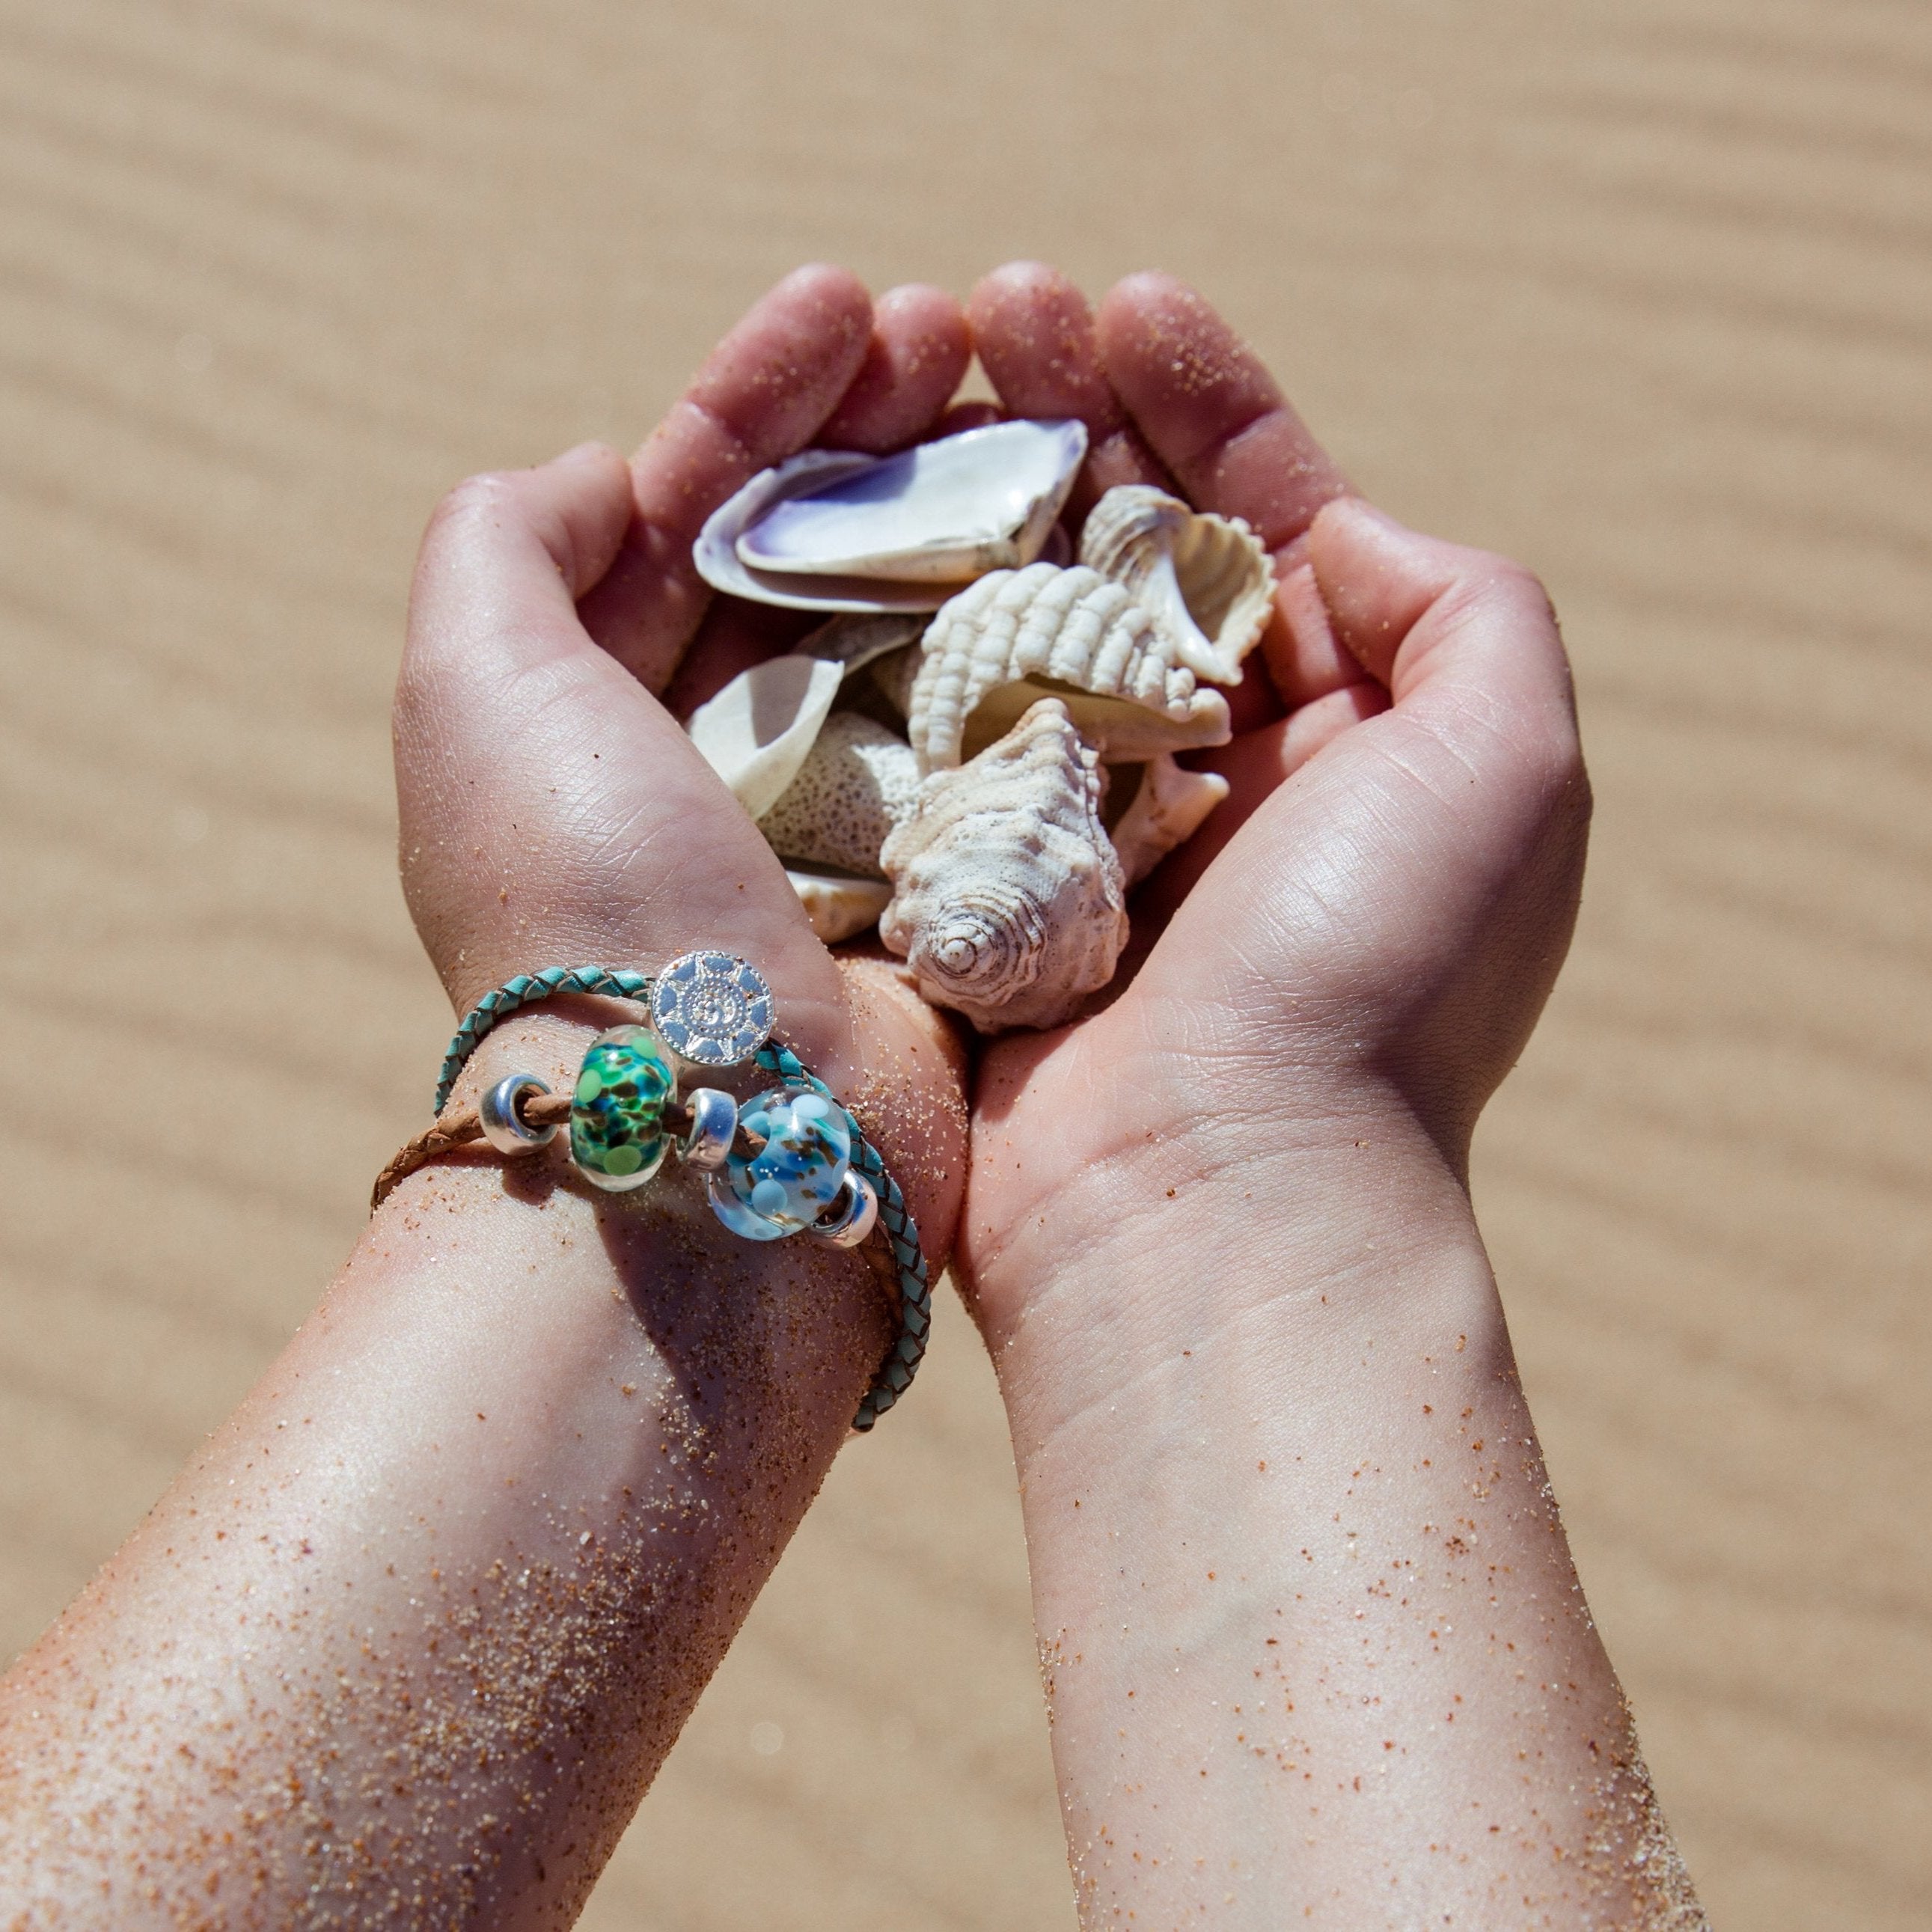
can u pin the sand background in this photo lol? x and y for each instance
(1638, 292)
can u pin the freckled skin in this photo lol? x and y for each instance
(407, 1643)
(1312, 1642)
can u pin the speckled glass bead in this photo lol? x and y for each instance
(617, 1137)
(797, 1174)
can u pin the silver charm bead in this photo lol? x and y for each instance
(850, 1218)
(503, 1127)
(714, 1120)
(712, 1009)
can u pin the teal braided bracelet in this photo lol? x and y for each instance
(619, 1117)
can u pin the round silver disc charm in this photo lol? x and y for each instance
(712, 1009)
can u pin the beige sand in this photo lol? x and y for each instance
(1640, 293)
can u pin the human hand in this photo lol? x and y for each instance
(552, 811)
(1353, 950)
(1312, 1641)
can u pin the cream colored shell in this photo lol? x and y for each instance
(838, 906)
(1009, 906)
(1166, 809)
(760, 729)
(857, 782)
(1017, 636)
(1206, 578)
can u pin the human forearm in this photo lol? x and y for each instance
(1312, 1640)
(412, 1634)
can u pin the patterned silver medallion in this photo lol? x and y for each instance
(712, 1009)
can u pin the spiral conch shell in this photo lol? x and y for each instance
(1009, 904)
(1016, 636)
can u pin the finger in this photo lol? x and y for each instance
(505, 556)
(1209, 409)
(761, 396)
(547, 799)
(1436, 622)
(919, 349)
(1255, 765)
(1305, 660)
(1034, 335)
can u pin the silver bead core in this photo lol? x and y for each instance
(714, 1120)
(503, 1127)
(850, 1218)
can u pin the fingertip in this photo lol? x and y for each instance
(919, 346)
(1376, 578)
(1412, 608)
(1034, 334)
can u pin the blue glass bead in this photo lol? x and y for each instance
(797, 1174)
(617, 1137)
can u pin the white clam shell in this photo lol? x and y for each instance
(941, 512)
(836, 530)
(1017, 636)
(1009, 905)
(838, 906)
(1167, 809)
(759, 729)
(857, 782)
(1207, 578)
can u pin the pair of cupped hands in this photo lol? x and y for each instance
(1357, 943)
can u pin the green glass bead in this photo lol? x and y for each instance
(617, 1136)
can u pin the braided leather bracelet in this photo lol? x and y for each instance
(713, 1010)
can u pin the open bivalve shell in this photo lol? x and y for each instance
(760, 729)
(1205, 578)
(1009, 905)
(1015, 636)
(836, 530)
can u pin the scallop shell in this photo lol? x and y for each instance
(836, 530)
(1207, 578)
(758, 730)
(856, 783)
(838, 906)
(1017, 636)
(1167, 809)
(1010, 906)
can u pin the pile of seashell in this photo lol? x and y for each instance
(977, 752)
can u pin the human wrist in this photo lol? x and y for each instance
(1267, 1228)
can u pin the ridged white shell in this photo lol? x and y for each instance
(856, 783)
(1017, 636)
(1207, 578)
(1010, 907)
(758, 730)
(838, 906)
(1167, 809)
(893, 533)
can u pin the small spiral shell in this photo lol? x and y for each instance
(1009, 906)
